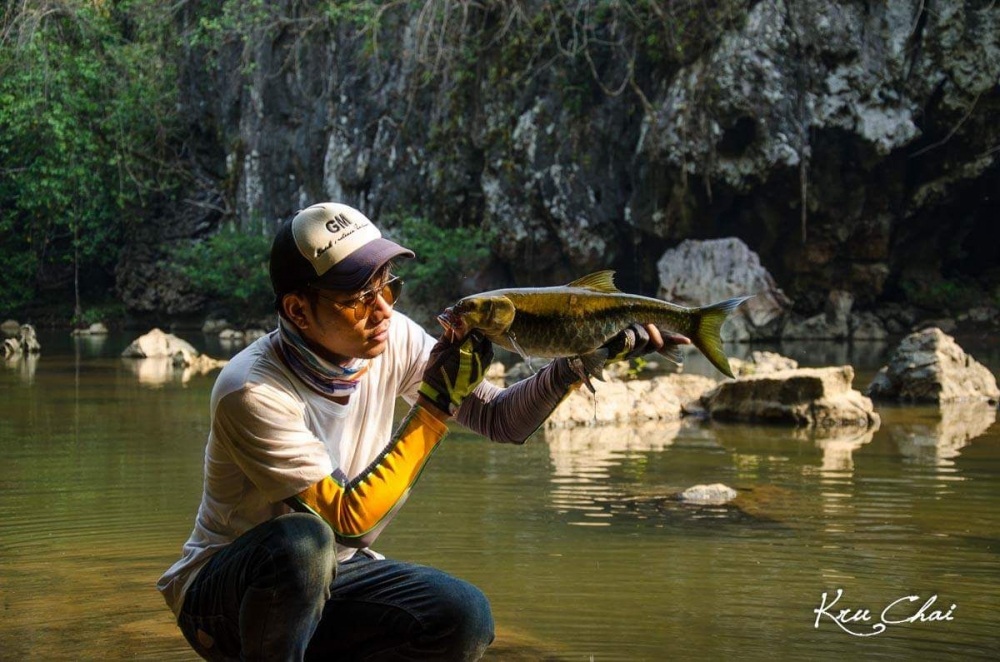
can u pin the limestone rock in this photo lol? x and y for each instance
(29, 339)
(832, 324)
(867, 326)
(10, 328)
(929, 366)
(820, 397)
(25, 342)
(697, 273)
(659, 398)
(157, 344)
(762, 363)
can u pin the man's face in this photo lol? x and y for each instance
(341, 326)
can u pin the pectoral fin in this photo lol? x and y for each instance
(589, 365)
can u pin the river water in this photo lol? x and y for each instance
(573, 536)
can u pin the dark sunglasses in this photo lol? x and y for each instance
(363, 303)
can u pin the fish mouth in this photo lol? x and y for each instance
(452, 322)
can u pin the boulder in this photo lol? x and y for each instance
(157, 344)
(10, 328)
(929, 366)
(762, 363)
(696, 273)
(867, 326)
(820, 397)
(833, 323)
(25, 342)
(657, 399)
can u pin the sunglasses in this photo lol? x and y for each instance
(363, 303)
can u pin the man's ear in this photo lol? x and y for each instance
(294, 306)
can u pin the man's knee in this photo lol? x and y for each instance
(303, 550)
(464, 618)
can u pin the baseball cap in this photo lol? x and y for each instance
(328, 245)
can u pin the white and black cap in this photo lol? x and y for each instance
(329, 246)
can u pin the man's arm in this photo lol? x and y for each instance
(355, 509)
(512, 414)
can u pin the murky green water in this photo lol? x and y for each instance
(571, 536)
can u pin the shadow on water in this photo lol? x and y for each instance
(576, 536)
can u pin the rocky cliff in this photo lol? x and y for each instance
(852, 145)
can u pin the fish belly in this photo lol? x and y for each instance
(551, 336)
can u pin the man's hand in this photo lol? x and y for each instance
(454, 370)
(639, 339)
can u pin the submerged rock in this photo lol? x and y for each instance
(715, 494)
(820, 397)
(929, 366)
(95, 329)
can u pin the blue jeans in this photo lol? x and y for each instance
(277, 593)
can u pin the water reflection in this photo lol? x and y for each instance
(23, 365)
(90, 346)
(939, 436)
(161, 371)
(838, 445)
(586, 453)
(100, 479)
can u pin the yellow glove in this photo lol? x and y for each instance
(454, 370)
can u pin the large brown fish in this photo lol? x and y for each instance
(578, 318)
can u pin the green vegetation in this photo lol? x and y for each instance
(229, 268)
(444, 257)
(86, 91)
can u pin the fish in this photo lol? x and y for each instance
(575, 320)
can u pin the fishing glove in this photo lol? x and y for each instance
(634, 341)
(454, 370)
(629, 343)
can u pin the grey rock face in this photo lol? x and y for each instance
(832, 137)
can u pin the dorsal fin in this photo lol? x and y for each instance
(599, 281)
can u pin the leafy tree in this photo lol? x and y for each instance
(83, 88)
(231, 268)
(444, 257)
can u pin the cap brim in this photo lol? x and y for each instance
(355, 270)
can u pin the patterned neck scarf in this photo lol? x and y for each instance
(320, 375)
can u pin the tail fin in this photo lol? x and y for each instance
(707, 337)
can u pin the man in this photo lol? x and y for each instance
(303, 469)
